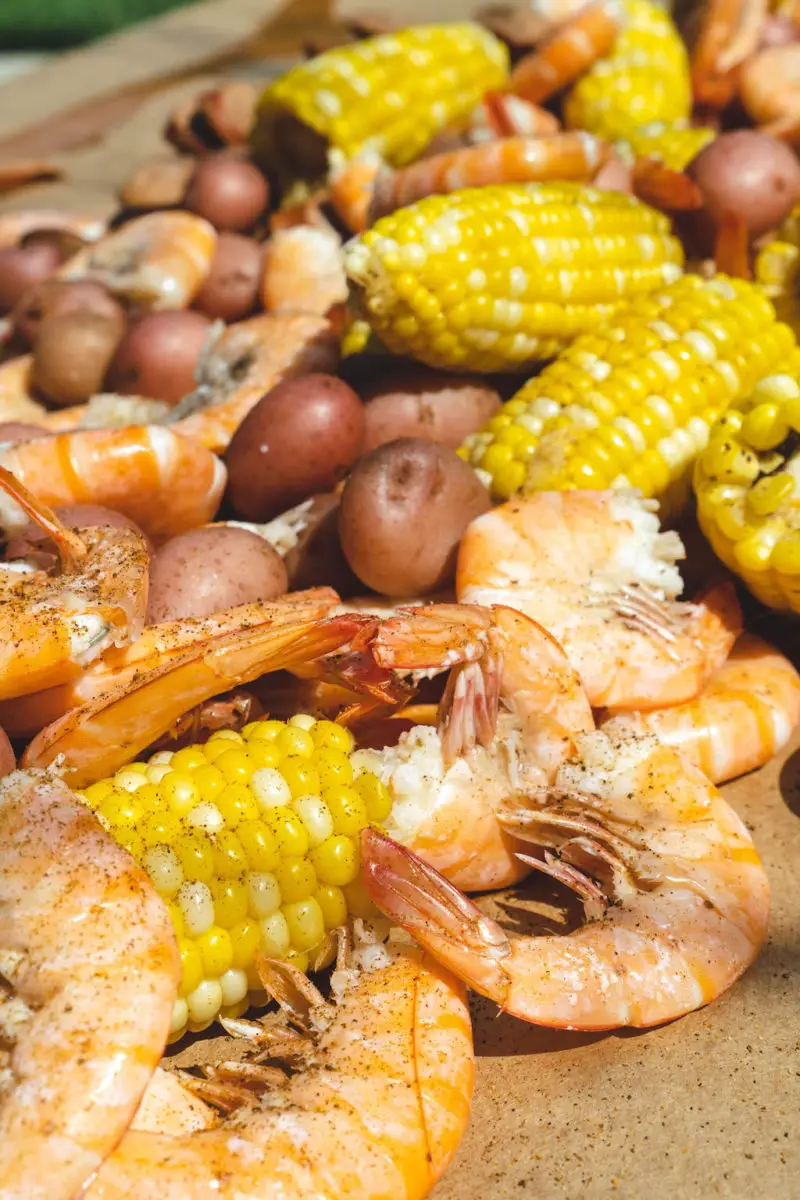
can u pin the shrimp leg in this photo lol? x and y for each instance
(88, 951)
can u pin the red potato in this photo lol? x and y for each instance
(421, 402)
(230, 289)
(300, 439)
(749, 175)
(72, 355)
(212, 568)
(229, 192)
(158, 355)
(23, 266)
(54, 297)
(403, 511)
(7, 760)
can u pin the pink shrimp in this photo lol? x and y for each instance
(303, 271)
(573, 47)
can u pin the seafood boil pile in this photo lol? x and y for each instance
(346, 476)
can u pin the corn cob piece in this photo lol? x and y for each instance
(747, 483)
(777, 269)
(391, 94)
(674, 145)
(495, 278)
(252, 840)
(644, 78)
(631, 405)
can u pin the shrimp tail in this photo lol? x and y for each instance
(436, 913)
(469, 707)
(71, 547)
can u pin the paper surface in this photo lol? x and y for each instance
(708, 1106)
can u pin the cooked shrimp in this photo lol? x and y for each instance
(574, 155)
(244, 362)
(729, 34)
(165, 483)
(91, 971)
(155, 647)
(157, 261)
(109, 731)
(501, 115)
(676, 912)
(745, 714)
(447, 783)
(573, 47)
(16, 401)
(769, 89)
(593, 568)
(351, 186)
(16, 226)
(376, 1107)
(303, 271)
(53, 625)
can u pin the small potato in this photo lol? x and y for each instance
(56, 296)
(72, 355)
(420, 402)
(23, 266)
(749, 175)
(229, 192)
(230, 290)
(403, 511)
(7, 760)
(212, 568)
(317, 559)
(301, 438)
(158, 355)
(160, 183)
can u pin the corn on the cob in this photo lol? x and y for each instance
(390, 93)
(747, 483)
(645, 78)
(252, 840)
(777, 269)
(495, 278)
(675, 145)
(631, 405)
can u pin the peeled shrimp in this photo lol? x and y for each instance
(156, 646)
(594, 570)
(745, 714)
(447, 783)
(158, 261)
(107, 732)
(574, 155)
(303, 271)
(165, 483)
(244, 362)
(90, 968)
(769, 89)
(375, 1108)
(676, 912)
(53, 625)
(573, 47)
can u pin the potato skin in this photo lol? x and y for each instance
(423, 403)
(212, 568)
(7, 760)
(158, 354)
(301, 438)
(750, 175)
(230, 289)
(403, 511)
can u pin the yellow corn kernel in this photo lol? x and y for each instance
(336, 860)
(306, 923)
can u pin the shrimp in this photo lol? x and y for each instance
(303, 271)
(158, 261)
(769, 89)
(447, 783)
(376, 1106)
(244, 362)
(593, 568)
(574, 155)
(730, 33)
(53, 625)
(91, 970)
(15, 227)
(107, 732)
(676, 912)
(165, 483)
(16, 401)
(572, 48)
(745, 714)
(501, 115)
(154, 647)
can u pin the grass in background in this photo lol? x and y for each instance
(59, 24)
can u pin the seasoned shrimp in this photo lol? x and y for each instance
(376, 1107)
(244, 362)
(593, 568)
(53, 625)
(447, 783)
(165, 483)
(158, 261)
(573, 47)
(90, 969)
(745, 714)
(109, 731)
(573, 155)
(676, 912)
(303, 271)
(501, 114)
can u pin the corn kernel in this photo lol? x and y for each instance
(270, 788)
(263, 754)
(209, 782)
(376, 796)
(305, 922)
(149, 797)
(160, 758)
(297, 958)
(235, 765)
(236, 804)
(275, 939)
(196, 856)
(225, 735)
(230, 860)
(206, 818)
(301, 776)
(262, 731)
(297, 879)
(301, 721)
(197, 906)
(245, 939)
(204, 1003)
(263, 894)
(348, 811)
(164, 869)
(234, 988)
(176, 917)
(230, 902)
(334, 768)
(358, 900)
(179, 791)
(130, 840)
(96, 792)
(191, 966)
(289, 831)
(216, 951)
(333, 905)
(259, 845)
(121, 809)
(786, 555)
(180, 1016)
(328, 735)
(162, 828)
(336, 861)
(130, 778)
(766, 496)
(188, 759)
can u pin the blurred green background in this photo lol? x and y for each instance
(59, 24)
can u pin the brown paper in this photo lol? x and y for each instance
(706, 1107)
